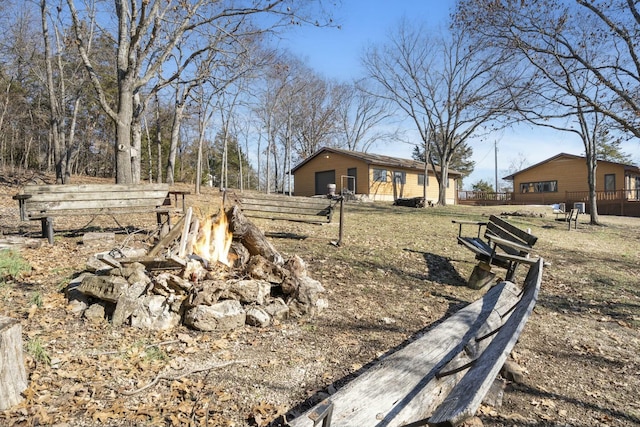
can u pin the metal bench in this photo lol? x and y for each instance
(569, 217)
(504, 245)
(44, 202)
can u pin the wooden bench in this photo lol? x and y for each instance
(312, 210)
(44, 202)
(504, 244)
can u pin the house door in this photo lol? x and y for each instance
(351, 182)
(323, 179)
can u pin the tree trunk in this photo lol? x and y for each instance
(442, 185)
(158, 140)
(592, 165)
(173, 144)
(124, 120)
(13, 376)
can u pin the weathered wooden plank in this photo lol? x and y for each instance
(13, 242)
(74, 205)
(323, 211)
(463, 401)
(284, 217)
(527, 238)
(92, 188)
(175, 232)
(266, 198)
(13, 376)
(156, 263)
(403, 387)
(79, 197)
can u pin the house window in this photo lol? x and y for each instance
(421, 179)
(400, 177)
(609, 182)
(539, 187)
(380, 175)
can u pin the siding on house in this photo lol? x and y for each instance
(569, 172)
(342, 161)
(305, 177)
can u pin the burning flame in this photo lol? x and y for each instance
(214, 240)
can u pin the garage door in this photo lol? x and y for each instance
(323, 179)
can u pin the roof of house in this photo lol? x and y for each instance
(570, 156)
(372, 159)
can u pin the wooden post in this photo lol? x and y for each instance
(341, 229)
(13, 376)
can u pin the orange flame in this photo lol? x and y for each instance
(214, 240)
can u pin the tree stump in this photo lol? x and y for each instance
(13, 376)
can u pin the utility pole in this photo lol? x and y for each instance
(495, 145)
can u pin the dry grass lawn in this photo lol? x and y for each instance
(398, 272)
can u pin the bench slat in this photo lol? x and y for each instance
(92, 188)
(285, 209)
(284, 200)
(79, 197)
(528, 238)
(92, 204)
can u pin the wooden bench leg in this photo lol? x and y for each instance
(511, 271)
(47, 228)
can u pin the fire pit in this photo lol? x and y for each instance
(216, 274)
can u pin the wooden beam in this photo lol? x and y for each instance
(13, 376)
(168, 239)
(465, 399)
(185, 233)
(403, 387)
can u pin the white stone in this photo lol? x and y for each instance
(258, 317)
(223, 315)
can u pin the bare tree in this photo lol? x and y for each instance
(315, 102)
(276, 78)
(146, 35)
(63, 82)
(583, 57)
(360, 116)
(449, 88)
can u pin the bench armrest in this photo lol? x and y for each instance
(21, 205)
(518, 259)
(462, 222)
(510, 243)
(175, 194)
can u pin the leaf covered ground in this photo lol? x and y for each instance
(398, 272)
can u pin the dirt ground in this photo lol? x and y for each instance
(398, 272)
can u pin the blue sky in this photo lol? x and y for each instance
(335, 53)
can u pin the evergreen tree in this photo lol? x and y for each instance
(609, 148)
(235, 157)
(460, 162)
(483, 186)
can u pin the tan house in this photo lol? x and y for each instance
(371, 175)
(563, 179)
